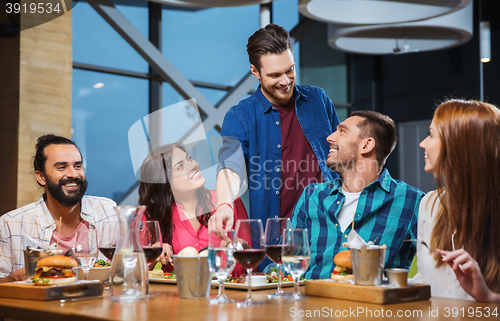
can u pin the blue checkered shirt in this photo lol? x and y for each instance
(387, 210)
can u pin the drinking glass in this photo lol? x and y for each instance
(296, 255)
(110, 236)
(274, 247)
(151, 240)
(248, 243)
(221, 260)
(86, 250)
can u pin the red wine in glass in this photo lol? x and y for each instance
(250, 258)
(108, 251)
(152, 253)
(274, 252)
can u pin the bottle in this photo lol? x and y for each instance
(129, 272)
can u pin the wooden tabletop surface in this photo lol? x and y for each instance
(168, 306)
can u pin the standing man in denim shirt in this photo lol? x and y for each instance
(277, 136)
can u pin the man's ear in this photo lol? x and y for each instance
(367, 145)
(40, 177)
(255, 71)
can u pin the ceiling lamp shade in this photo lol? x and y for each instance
(438, 33)
(364, 12)
(211, 3)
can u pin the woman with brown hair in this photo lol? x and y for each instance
(462, 216)
(173, 190)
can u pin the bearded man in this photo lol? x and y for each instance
(365, 197)
(59, 213)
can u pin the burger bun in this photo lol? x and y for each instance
(188, 251)
(55, 281)
(343, 259)
(59, 260)
(338, 277)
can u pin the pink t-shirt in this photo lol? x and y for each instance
(68, 242)
(185, 235)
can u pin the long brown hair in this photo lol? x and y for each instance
(156, 193)
(468, 179)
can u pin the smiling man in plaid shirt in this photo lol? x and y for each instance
(59, 213)
(365, 196)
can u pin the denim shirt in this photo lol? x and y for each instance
(252, 143)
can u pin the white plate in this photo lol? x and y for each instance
(166, 281)
(243, 286)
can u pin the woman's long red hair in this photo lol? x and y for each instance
(468, 178)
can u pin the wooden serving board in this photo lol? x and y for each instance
(365, 293)
(28, 291)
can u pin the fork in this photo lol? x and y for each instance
(424, 244)
(237, 246)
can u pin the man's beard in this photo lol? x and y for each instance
(345, 161)
(278, 96)
(74, 197)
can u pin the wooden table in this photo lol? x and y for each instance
(168, 306)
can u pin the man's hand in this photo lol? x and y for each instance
(228, 184)
(223, 218)
(19, 275)
(469, 275)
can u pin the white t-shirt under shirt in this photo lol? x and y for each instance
(346, 213)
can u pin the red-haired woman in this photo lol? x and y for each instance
(461, 219)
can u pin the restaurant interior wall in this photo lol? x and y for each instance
(408, 87)
(202, 44)
(35, 86)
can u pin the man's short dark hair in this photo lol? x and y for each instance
(382, 128)
(272, 39)
(44, 141)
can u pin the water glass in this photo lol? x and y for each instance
(86, 250)
(221, 260)
(296, 255)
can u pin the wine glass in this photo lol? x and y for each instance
(274, 247)
(295, 256)
(86, 250)
(248, 243)
(151, 240)
(221, 260)
(110, 235)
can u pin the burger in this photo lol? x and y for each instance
(343, 268)
(55, 270)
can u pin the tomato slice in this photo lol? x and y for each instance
(57, 277)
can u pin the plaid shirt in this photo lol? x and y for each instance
(387, 210)
(35, 221)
